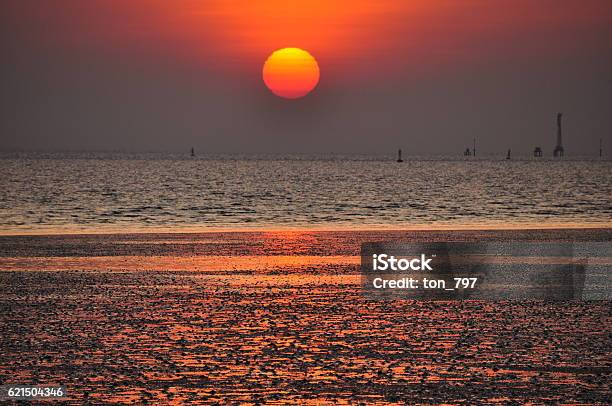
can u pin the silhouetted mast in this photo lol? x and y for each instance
(192, 151)
(474, 149)
(600, 148)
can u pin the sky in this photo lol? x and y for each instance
(426, 76)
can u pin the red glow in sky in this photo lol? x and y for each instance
(349, 37)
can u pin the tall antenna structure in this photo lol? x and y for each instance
(558, 151)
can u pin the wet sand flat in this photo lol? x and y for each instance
(280, 317)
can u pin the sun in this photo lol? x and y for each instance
(291, 73)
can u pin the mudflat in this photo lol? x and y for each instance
(279, 316)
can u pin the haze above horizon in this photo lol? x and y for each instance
(426, 76)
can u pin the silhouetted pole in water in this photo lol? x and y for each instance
(474, 149)
(192, 152)
(558, 152)
(399, 155)
(508, 156)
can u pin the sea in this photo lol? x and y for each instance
(156, 191)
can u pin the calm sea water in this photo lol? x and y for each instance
(90, 191)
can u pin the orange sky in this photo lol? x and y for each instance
(347, 36)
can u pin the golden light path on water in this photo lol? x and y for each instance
(276, 265)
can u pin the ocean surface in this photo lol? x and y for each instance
(164, 191)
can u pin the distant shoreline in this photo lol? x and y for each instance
(119, 230)
(339, 157)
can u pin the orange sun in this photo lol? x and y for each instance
(291, 73)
